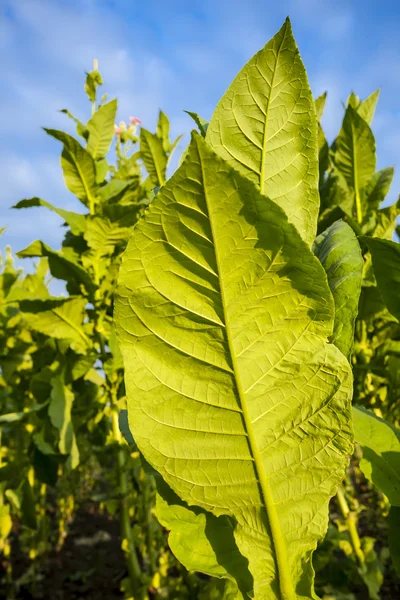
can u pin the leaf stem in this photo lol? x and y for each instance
(278, 542)
(351, 522)
(131, 558)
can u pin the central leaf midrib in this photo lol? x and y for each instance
(264, 146)
(159, 174)
(278, 542)
(355, 176)
(83, 180)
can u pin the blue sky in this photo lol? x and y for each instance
(173, 55)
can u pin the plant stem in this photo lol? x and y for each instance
(148, 488)
(125, 522)
(351, 522)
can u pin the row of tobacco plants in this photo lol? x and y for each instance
(250, 448)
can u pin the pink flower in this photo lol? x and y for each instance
(135, 121)
(117, 130)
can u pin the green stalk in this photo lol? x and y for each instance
(148, 488)
(351, 522)
(125, 522)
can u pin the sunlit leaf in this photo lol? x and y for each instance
(101, 130)
(76, 221)
(234, 394)
(339, 252)
(265, 126)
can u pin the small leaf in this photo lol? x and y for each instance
(80, 127)
(28, 512)
(154, 157)
(339, 252)
(76, 221)
(124, 427)
(60, 318)
(112, 189)
(265, 126)
(78, 167)
(102, 168)
(163, 130)
(60, 415)
(354, 155)
(366, 108)
(18, 416)
(376, 190)
(380, 444)
(61, 267)
(101, 130)
(386, 262)
(201, 541)
(103, 236)
(5, 522)
(202, 124)
(320, 105)
(386, 221)
(93, 80)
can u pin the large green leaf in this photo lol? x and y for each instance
(78, 167)
(339, 252)
(154, 156)
(101, 130)
(76, 221)
(354, 155)
(386, 263)
(61, 267)
(265, 126)
(380, 444)
(234, 394)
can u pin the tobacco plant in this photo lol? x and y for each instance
(62, 377)
(257, 299)
(236, 325)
